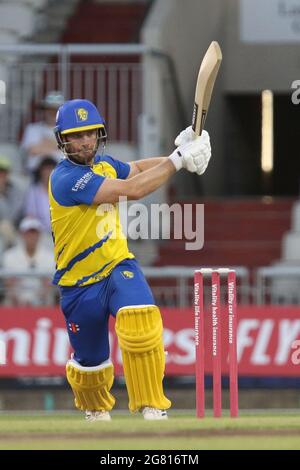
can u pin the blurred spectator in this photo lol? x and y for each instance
(29, 256)
(38, 139)
(11, 201)
(37, 200)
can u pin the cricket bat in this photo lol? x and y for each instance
(205, 84)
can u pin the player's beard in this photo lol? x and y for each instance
(85, 156)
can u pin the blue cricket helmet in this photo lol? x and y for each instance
(76, 116)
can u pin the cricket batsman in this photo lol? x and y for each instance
(96, 273)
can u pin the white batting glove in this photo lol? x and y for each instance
(193, 156)
(196, 154)
(185, 136)
(188, 135)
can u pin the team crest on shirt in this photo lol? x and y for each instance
(81, 114)
(74, 327)
(127, 274)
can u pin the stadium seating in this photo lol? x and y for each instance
(237, 232)
(116, 22)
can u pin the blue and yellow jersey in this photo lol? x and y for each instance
(88, 239)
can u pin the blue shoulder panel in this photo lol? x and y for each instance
(73, 185)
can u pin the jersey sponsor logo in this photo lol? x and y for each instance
(74, 327)
(127, 274)
(81, 114)
(83, 181)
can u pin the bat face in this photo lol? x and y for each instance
(206, 79)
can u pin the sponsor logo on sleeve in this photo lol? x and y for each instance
(83, 181)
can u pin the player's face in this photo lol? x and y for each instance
(82, 145)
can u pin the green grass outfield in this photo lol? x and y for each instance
(182, 431)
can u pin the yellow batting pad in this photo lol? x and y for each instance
(139, 330)
(91, 386)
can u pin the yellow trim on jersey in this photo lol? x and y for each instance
(82, 128)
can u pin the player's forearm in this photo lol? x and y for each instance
(151, 179)
(136, 187)
(192, 156)
(148, 163)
